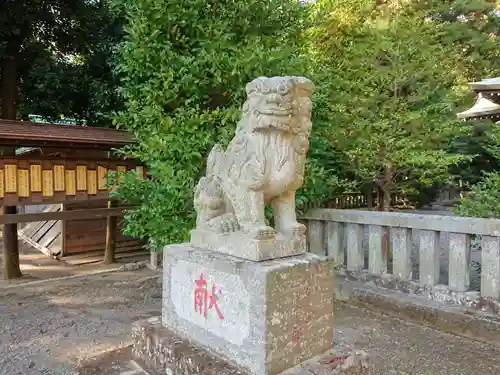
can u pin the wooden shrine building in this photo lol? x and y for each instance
(53, 185)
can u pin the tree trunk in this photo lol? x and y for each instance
(10, 242)
(8, 92)
(385, 195)
(384, 189)
(9, 87)
(386, 200)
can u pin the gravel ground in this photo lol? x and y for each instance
(48, 328)
(399, 348)
(395, 348)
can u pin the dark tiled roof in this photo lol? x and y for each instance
(28, 133)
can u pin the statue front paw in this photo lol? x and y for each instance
(229, 223)
(224, 223)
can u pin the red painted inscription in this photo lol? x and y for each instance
(203, 300)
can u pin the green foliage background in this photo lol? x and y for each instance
(63, 52)
(398, 75)
(390, 77)
(484, 198)
(185, 66)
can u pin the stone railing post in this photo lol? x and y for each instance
(377, 262)
(429, 257)
(335, 242)
(316, 236)
(490, 267)
(459, 272)
(354, 247)
(401, 249)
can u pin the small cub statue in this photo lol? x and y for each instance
(263, 164)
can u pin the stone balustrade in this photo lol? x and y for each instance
(361, 241)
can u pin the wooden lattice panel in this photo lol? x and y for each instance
(24, 181)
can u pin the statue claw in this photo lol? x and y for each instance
(298, 229)
(224, 223)
(260, 232)
(265, 232)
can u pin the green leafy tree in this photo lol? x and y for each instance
(28, 26)
(25, 25)
(484, 197)
(480, 146)
(471, 28)
(185, 65)
(393, 94)
(56, 58)
(478, 38)
(37, 39)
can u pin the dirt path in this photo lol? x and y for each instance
(37, 266)
(49, 328)
(46, 329)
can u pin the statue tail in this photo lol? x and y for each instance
(215, 161)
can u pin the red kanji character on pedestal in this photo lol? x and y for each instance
(200, 296)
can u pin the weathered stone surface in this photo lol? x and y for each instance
(266, 317)
(439, 223)
(394, 347)
(242, 246)
(465, 319)
(429, 257)
(459, 277)
(160, 351)
(263, 164)
(490, 260)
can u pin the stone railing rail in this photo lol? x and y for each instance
(374, 231)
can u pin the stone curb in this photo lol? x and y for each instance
(158, 350)
(114, 361)
(454, 319)
(125, 267)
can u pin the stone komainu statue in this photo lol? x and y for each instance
(264, 163)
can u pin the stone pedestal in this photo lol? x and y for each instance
(263, 317)
(241, 246)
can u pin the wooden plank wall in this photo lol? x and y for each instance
(90, 235)
(43, 235)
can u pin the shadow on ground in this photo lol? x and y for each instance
(50, 327)
(37, 266)
(395, 347)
